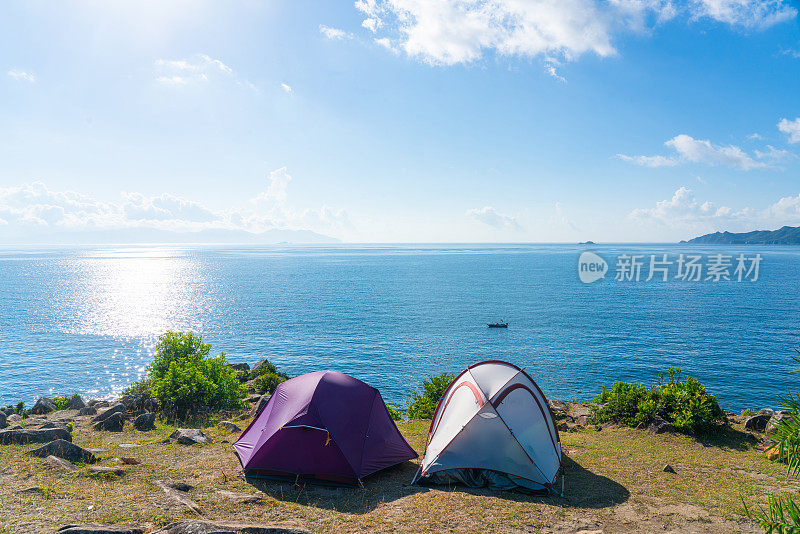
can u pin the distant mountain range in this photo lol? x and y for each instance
(788, 235)
(154, 235)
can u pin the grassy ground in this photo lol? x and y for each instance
(614, 483)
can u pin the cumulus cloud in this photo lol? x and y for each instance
(35, 206)
(447, 32)
(790, 128)
(684, 210)
(21, 75)
(334, 33)
(490, 216)
(702, 151)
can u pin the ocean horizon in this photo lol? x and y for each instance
(86, 318)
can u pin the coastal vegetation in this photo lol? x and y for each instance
(684, 404)
(423, 404)
(267, 377)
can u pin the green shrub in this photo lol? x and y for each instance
(142, 387)
(747, 412)
(422, 405)
(183, 376)
(685, 404)
(62, 403)
(19, 408)
(395, 412)
(268, 382)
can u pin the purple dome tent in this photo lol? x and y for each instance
(323, 426)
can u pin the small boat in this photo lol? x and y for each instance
(497, 325)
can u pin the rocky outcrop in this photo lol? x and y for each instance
(570, 416)
(43, 406)
(118, 408)
(89, 410)
(55, 424)
(240, 366)
(759, 421)
(114, 423)
(775, 421)
(64, 449)
(60, 463)
(189, 436)
(97, 528)
(13, 418)
(76, 403)
(208, 527)
(659, 426)
(257, 407)
(22, 436)
(228, 426)
(3, 420)
(145, 422)
(98, 404)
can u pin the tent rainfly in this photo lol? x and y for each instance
(493, 427)
(323, 426)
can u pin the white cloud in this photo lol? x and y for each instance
(198, 69)
(287, 88)
(490, 216)
(334, 33)
(755, 137)
(21, 75)
(702, 151)
(774, 155)
(35, 206)
(650, 161)
(756, 14)
(791, 128)
(446, 32)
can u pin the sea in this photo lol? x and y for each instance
(86, 319)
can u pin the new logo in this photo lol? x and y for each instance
(591, 267)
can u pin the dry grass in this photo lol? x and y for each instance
(615, 483)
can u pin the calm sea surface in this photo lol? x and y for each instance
(86, 319)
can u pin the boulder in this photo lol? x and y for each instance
(189, 436)
(179, 485)
(239, 366)
(43, 406)
(95, 403)
(251, 386)
(60, 463)
(34, 436)
(64, 449)
(252, 399)
(55, 424)
(259, 405)
(659, 426)
(558, 407)
(759, 421)
(117, 408)
(209, 527)
(3, 420)
(76, 403)
(97, 528)
(145, 422)
(257, 366)
(89, 410)
(776, 419)
(114, 423)
(127, 460)
(228, 426)
(13, 418)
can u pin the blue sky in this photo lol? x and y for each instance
(401, 120)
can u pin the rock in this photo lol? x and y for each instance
(189, 436)
(13, 418)
(259, 405)
(30, 489)
(97, 528)
(64, 449)
(179, 485)
(772, 453)
(145, 422)
(105, 471)
(669, 469)
(15, 427)
(257, 365)
(776, 419)
(581, 420)
(759, 421)
(3, 420)
(230, 427)
(60, 463)
(89, 410)
(34, 436)
(659, 426)
(240, 498)
(178, 496)
(129, 461)
(114, 423)
(252, 399)
(576, 409)
(117, 408)
(55, 424)
(76, 403)
(43, 406)
(239, 366)
(208, 527)
(251, 386)
(94, 403)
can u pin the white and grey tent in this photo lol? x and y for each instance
(493, 427)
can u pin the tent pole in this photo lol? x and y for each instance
(413, 480)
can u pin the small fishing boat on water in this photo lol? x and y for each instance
(501, 324)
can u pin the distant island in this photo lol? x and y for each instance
(587, 243)
(788, 235)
